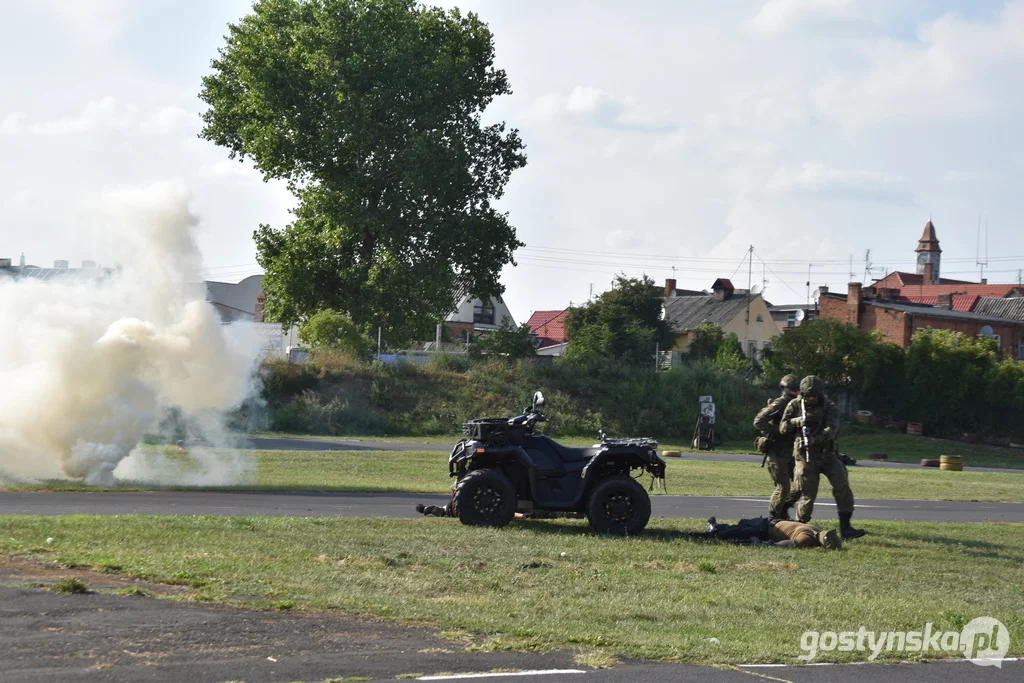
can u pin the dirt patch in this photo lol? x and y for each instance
(48, 572)
(106, 636)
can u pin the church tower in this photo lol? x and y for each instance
(928, 255)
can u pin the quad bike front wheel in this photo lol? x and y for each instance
(619, 506)
(485, 497)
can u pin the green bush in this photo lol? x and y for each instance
(427, 399)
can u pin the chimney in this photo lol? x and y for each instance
(853, 302)
(670, 287)
(60, 265)
(5, 263)
(722, 289)
(944, 301)
(88, 264)
(984, 280)
(261, 303)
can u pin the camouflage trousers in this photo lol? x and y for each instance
(787, 488)
(807, 476)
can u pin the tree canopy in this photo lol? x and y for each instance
(371, 112)
(334, 330)
(623, 324)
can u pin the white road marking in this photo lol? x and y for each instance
(817, 502)
(546, 672)
(938, 661)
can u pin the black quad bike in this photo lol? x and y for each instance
(503, 467)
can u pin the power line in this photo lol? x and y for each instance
(775, 274)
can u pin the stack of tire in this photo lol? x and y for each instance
(952, 463)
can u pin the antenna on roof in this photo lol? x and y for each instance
(981, 264)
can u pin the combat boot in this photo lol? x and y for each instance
(779, 515)
(845, 529)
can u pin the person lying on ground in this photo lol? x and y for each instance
(778, 533)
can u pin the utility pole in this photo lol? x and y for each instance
(851, 269)
(750, 284)
(809, 266)
(978, 260)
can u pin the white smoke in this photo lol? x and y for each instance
(87, 367)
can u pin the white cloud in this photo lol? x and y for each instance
(629, 239)
(104, 113)
(170, 120)
(612, 149)
(963, 177)
(780, 16)
(228, 169)
(817, 178)
(956, 69)
(12, 123)
(585, 105)
(107, 114)
(94, 22)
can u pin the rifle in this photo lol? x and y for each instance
(803, 429)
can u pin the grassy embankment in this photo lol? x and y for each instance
(427, 472)
(335, 396)
(857, 442)
(538, 585)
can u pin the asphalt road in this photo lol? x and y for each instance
(232, 504)
(91, 637)
(289, 444)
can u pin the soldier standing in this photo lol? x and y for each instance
(778, 449)
(814, 420)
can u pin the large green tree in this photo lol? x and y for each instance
(371, 111)
(624, 324)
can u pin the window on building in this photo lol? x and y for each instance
(791, 320)
(752, 347)
(483, 313)
(1020, 350)
(760, 318)
(998, 339)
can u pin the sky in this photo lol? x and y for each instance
(663, 137)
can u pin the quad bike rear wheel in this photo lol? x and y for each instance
(619, 506)
(485, 497)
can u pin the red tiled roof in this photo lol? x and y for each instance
(991, 291)
(549, 326)
(899, 279)
(961, 302)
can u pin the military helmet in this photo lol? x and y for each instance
(830, 539)
(791, 382)
(812, 385)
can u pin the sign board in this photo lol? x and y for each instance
(707, 411)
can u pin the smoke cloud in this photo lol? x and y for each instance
(90, 365)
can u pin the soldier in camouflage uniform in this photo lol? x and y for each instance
(814, 420)
(780, 449)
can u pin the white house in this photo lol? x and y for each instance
(473, 316)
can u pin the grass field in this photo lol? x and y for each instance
(427, 472)
(856, 441)
(546, 584)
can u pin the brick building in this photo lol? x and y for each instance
(899, 320)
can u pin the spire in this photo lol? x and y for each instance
(928, 241)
